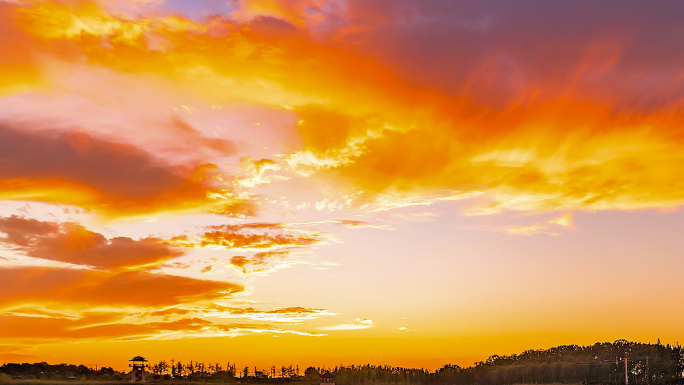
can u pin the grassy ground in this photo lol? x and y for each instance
(8, 381)
(51, 382)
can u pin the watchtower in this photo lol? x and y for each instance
(138, 369)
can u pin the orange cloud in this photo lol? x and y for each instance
(118, 180)
(222, 64)
(47, 304)
(124, 299)
(77, 289)
(72, 243)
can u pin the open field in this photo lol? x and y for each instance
(178, 382)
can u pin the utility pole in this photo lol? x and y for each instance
(626, 374)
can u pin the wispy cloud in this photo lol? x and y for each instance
(261, 237)
(549, 227)
(357, 323)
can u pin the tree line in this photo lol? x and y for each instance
(602, 363)
(45, 371)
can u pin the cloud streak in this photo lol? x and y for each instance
(41, 329)
(356, 324)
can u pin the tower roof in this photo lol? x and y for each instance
(138, 358)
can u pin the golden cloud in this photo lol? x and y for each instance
(256, 172)
(552, 157)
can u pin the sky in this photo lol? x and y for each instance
(325, 182)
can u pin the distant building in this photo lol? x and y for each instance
(327, 379)
(138, 369)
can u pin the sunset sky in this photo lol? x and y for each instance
(325, 182)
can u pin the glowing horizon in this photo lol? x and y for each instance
(287, 181)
